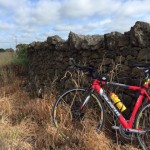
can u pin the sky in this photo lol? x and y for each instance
(25, 21)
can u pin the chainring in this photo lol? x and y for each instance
(127, 135)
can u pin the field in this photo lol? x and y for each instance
(26, 123)
(6, 58)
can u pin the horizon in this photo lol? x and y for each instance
(26, 21)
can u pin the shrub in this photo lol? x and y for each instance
(21, 55)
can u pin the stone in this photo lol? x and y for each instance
(93, 42)
(62, 46)
(120, 59)
(94, 56)
(111, 40)
(129, 57)
(144, 54)
(50, 59)
(123, 41)
(140, 34)
(75, 41)
(54, 40)
(107, 61)
(85, 42)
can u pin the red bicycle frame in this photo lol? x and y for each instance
(96, 85)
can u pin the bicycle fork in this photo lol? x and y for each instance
(87, 98)
(85, 102)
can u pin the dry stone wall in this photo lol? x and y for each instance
(49, 59)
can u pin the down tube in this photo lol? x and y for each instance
(117, 113)
(109, 103)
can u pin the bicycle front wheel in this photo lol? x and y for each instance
(142, 122)
(68, 116)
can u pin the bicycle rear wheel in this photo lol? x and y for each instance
(142, 122)
(68, 116)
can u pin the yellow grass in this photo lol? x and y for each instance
(6, 58)
(26, 124)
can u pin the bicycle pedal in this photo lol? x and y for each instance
(115, 127)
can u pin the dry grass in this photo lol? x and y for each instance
(6, 58)
(26, 124)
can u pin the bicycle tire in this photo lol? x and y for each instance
(93, 114)
(142, 121)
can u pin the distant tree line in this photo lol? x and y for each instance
(6, 50)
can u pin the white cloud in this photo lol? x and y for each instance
(11, 4)
(31, 20)
(70, 27)
(86, 28)
(86, 8)
(47, 12)
(135, 7)
(44, 12)
(6, 26)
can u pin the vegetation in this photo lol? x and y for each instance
(6, 50)
(21, 55)
(6, 58)
(2, 50)
(26, 123)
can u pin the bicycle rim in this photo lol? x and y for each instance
(142, 122)
(69, 119)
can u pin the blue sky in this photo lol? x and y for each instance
(25, 21)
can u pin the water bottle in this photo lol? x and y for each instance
(117, 102)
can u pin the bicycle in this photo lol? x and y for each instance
(82, 105)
